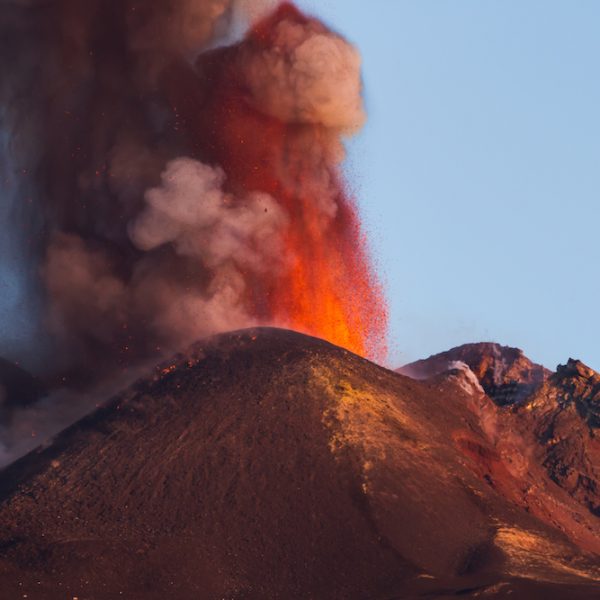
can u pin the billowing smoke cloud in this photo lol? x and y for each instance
(307, 75)
(207, 241)
(191, 211)
(183, 180)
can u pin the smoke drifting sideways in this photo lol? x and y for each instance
(179, 183)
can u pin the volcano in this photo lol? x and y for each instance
(268, 464)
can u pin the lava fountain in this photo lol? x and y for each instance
(188, 186)
(273, 119)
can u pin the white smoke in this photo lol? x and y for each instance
(191, 211)
(471, 383)
(308, 75)
(229, 238)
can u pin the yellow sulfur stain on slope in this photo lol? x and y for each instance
(535, 557)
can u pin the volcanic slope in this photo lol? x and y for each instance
(551, 420)
(267, 464)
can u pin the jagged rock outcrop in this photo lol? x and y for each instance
(564, 415)
(551, 420)
(505, 373)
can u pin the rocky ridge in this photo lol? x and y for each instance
(556, 416)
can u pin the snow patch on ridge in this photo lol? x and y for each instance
(469, 382)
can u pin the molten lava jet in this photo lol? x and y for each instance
(289, 146)
(187, 187)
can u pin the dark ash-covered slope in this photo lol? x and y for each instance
(266, 464)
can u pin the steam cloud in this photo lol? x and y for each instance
(180, 181)
(307, 76)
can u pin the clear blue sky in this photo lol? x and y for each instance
(479, 170)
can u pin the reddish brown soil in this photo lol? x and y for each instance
(266, 464)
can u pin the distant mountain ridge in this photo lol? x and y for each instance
(557, 413)
(505, 373)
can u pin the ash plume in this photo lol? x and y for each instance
(183, 179)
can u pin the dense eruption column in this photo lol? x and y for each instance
(273, 117)
(185, 191)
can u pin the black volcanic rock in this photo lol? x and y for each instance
(505, 373)
(266, 464)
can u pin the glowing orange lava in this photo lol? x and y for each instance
(327, 286)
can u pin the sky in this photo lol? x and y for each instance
(478, 173)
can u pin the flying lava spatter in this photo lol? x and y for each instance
(326, 286)
(186, 185)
